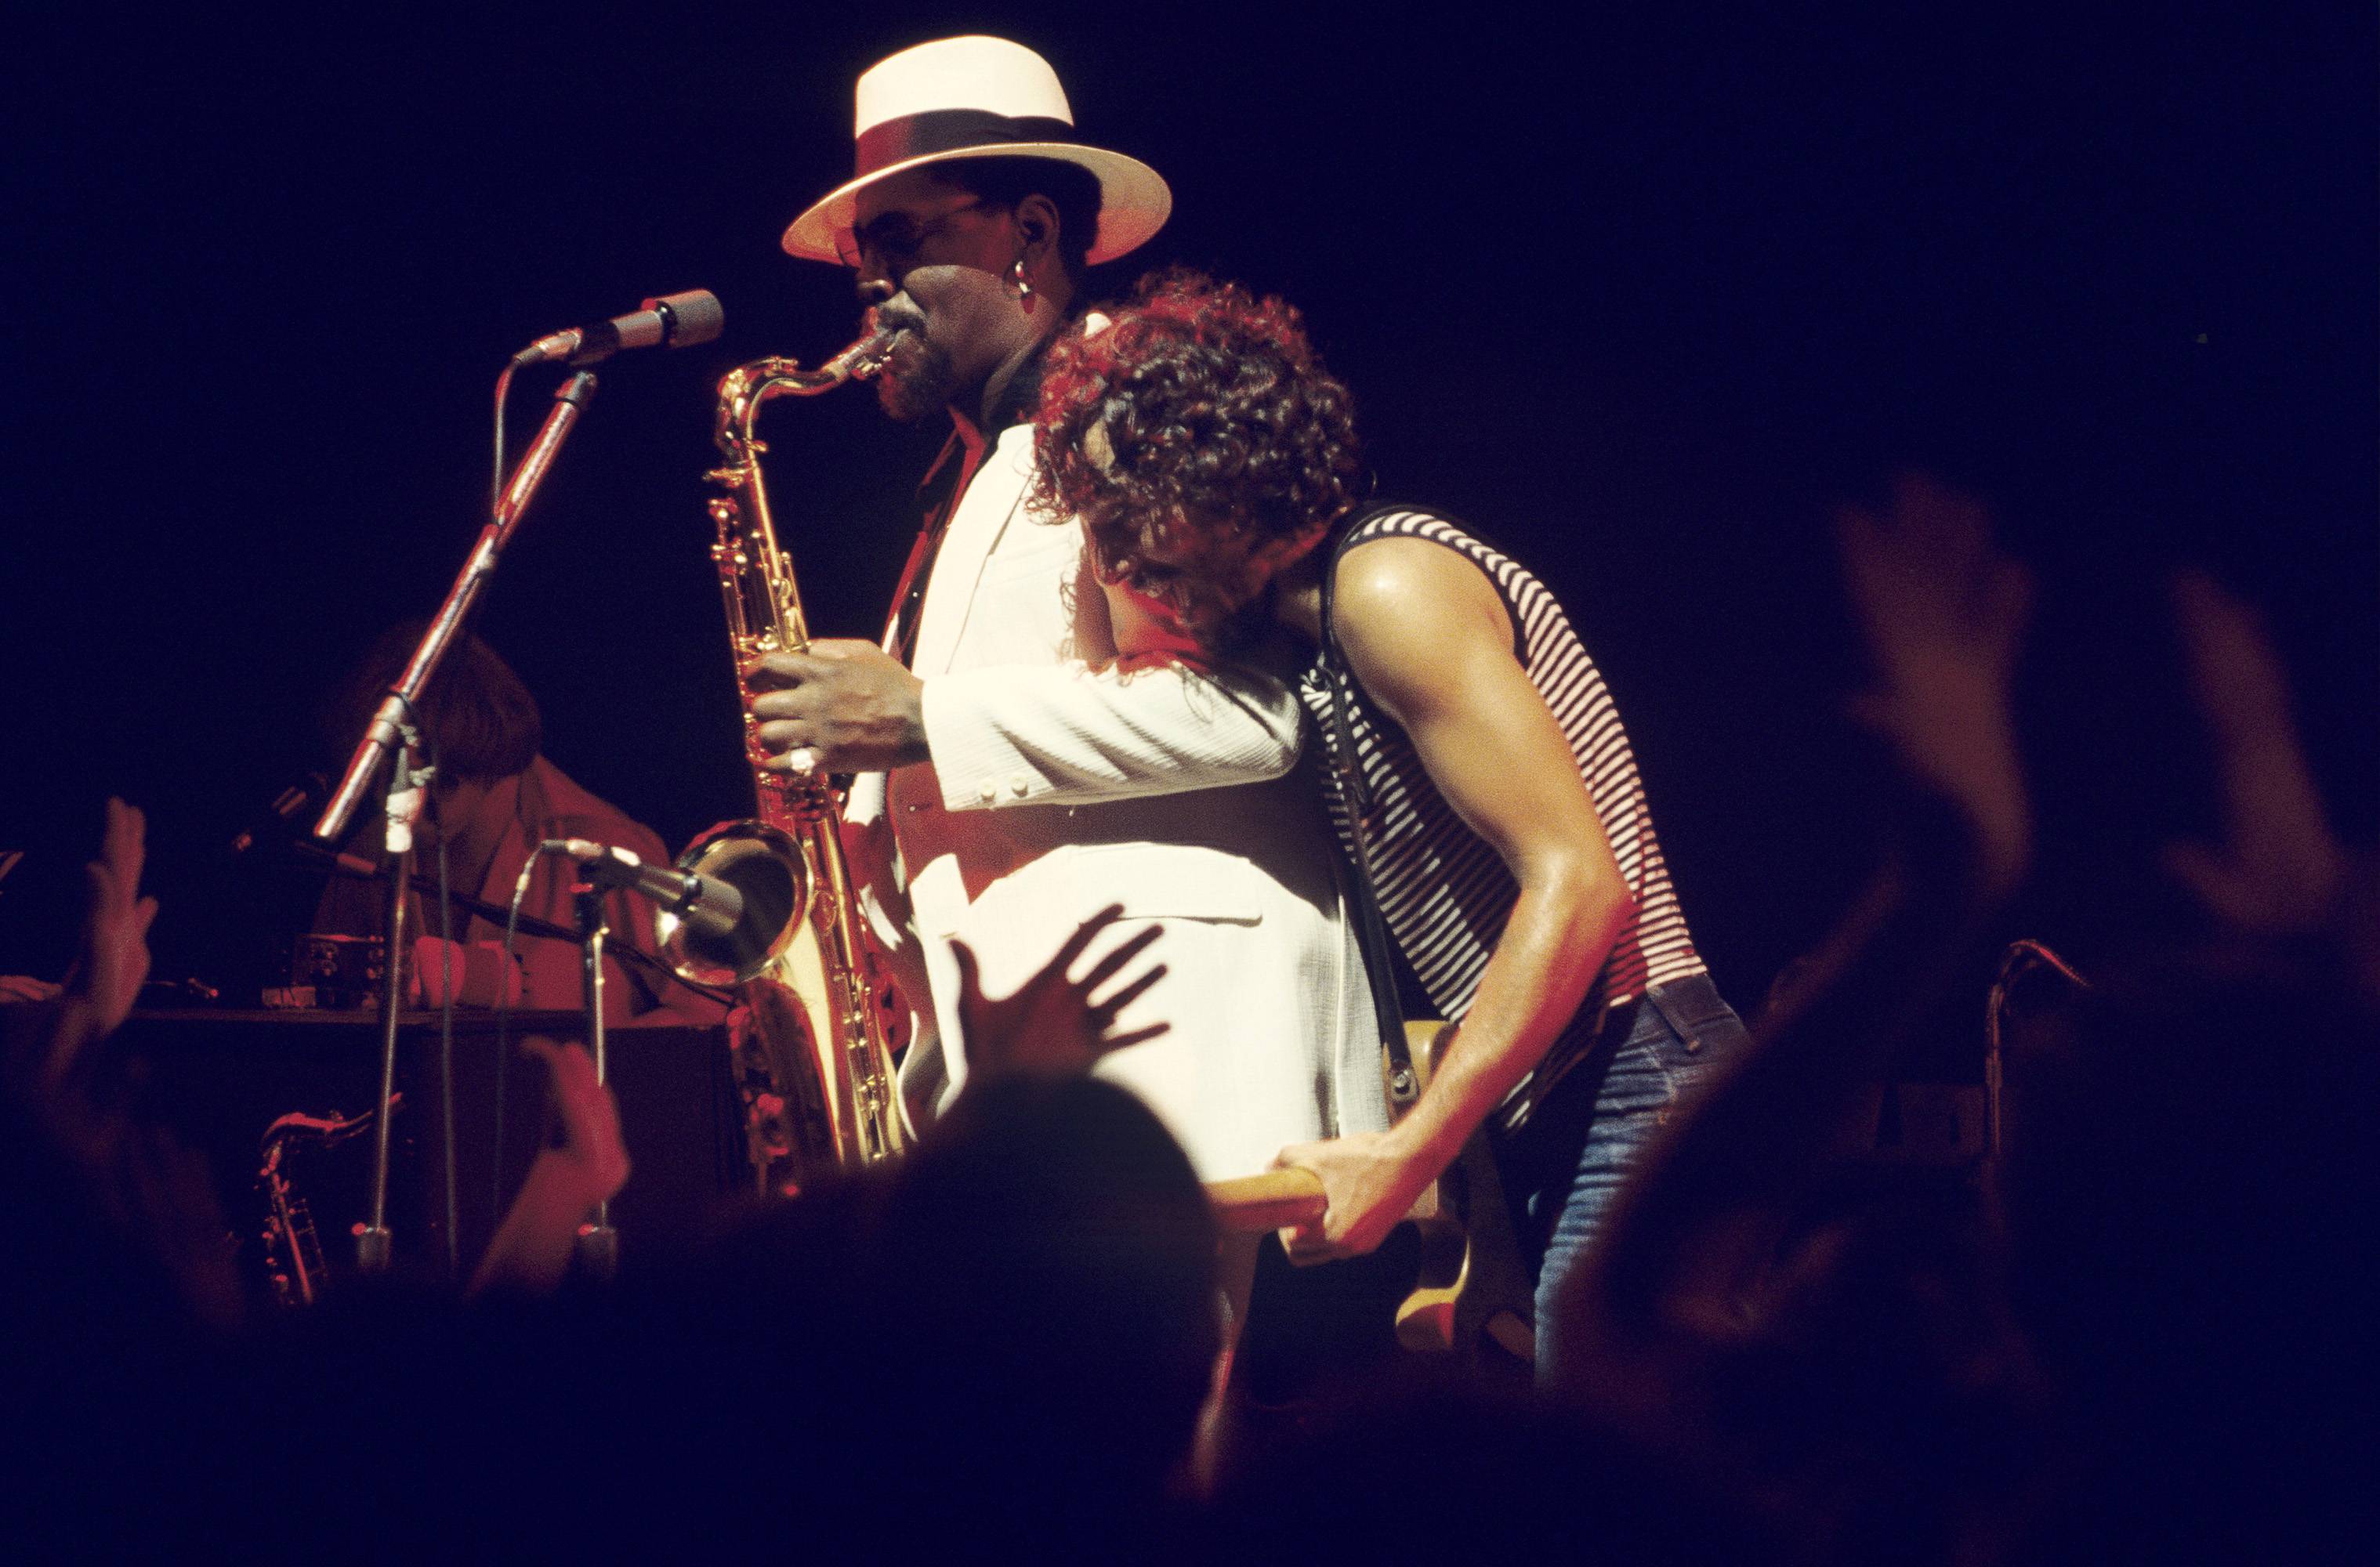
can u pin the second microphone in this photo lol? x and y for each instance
(708, 905)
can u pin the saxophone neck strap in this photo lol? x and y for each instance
(938, 497)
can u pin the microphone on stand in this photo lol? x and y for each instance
(708, 906)
(673, 320)
(306, 792)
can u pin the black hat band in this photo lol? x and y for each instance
(950, 130)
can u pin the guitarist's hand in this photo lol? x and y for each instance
(1370, 1184)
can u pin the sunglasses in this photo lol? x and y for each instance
(896, 236)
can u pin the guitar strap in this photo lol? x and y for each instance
(1356, 799)
(1488, 1298)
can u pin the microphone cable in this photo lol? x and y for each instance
(445, 1033)
(496, 481)
(503, 1016)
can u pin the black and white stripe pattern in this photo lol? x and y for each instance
(1442, 891)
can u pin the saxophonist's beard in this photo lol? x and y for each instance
(920, 378)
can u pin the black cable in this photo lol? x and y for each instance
(496, 484)
(653, 968)
(445, 1034)
(503, 1016)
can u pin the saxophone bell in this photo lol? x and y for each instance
(765, 865)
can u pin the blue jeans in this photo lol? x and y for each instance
(1565, 1167)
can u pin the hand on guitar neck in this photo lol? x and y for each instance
(1368, 1182)
(1474, 1289)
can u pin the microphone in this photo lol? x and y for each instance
(673, 320)
(286, 804)
(708, 906)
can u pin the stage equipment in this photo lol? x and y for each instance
(495, 913)
(1473, 1290)
(389, 737)
(707, 905)
(337, 973)
(2019, 962)
(811, 1059)
(382, 732)
(673, 320)
(218, 1078)
(599, 1243)
(287, 805)
(293, 1252)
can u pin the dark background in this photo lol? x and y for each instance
(1640, 294)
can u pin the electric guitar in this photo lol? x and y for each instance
(1473, 1297)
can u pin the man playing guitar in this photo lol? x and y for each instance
(1479, 776)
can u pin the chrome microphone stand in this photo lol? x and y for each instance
(599, 1243)
(386, 737)
(406, 783)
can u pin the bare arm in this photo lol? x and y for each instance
(1429, 639)
(2280, 868)
(1943, 615)
(531, 1250)
(48, 1038)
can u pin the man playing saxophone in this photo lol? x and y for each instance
(981, 823)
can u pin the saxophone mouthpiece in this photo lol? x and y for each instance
(865, 357)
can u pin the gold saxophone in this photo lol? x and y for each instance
(811, 1057)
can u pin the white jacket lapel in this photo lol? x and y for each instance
(993, 498)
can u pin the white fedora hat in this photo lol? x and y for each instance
(977, 98)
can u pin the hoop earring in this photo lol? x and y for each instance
(1023, 289)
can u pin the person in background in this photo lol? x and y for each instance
(494, 798)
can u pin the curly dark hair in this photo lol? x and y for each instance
(479, 719)
(1199, 402)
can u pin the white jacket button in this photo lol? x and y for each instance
(986, 790)
(1019, 785)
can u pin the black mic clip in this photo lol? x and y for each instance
(707, 905)
(285, 809)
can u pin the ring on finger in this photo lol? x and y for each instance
(802, 760)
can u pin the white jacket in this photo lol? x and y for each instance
(1049, 798)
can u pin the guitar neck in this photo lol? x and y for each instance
(1276, 1199)
(1279, 1199)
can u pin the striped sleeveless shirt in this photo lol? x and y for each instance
(1444, 893)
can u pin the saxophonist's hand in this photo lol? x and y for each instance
(842, 707)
